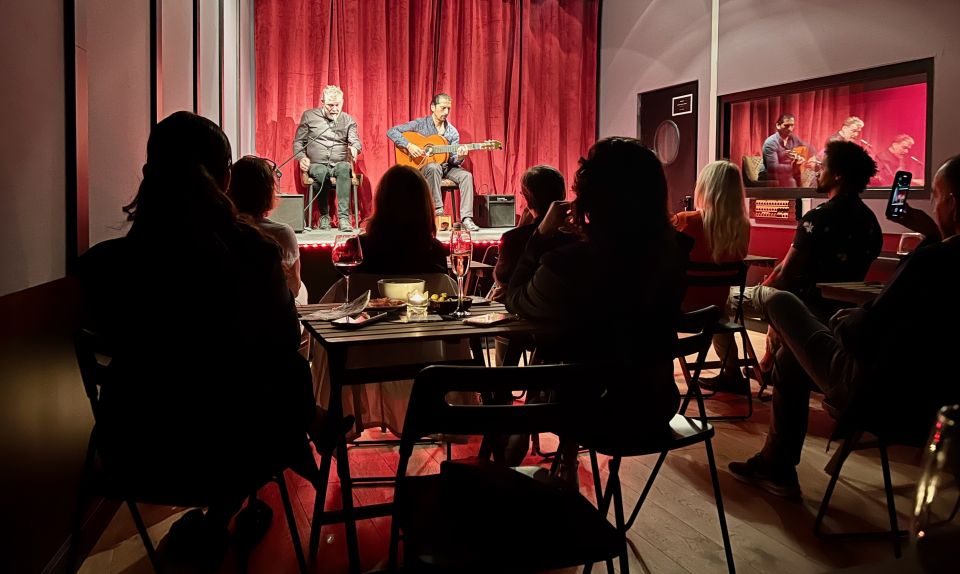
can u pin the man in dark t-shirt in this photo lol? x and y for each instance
(837, 240)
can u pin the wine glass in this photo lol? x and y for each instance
(461, 251)
(936, 528)
(346, 255)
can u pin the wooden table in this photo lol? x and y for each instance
(337, 342)
(760, 261)
(856, 292)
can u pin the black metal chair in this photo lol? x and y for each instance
(93, 360)
(470, 517)
(681, 432)
(850, 429)
(725, 275)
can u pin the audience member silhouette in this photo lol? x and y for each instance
(207, 390)
(721, 233)
(630, 257)
(401, 234)
(253, 192)
(849, 358)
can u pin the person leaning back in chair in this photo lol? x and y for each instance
(884, 361)
(437, 123)
(327, 143)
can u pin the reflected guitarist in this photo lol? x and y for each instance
(436, 124)
(785, 156)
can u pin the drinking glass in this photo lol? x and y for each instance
(461, 251)
(936, 528)
(346, 255)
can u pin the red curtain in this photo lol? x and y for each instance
(519, 71)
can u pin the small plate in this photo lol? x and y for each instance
(360, 320)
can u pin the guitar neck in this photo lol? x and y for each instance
(453, 148)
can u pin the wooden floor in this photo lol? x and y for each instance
(677, 530)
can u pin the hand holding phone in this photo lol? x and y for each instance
(896, 204)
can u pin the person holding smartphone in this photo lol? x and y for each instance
(849, 359)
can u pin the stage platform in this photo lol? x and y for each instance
(324, 239)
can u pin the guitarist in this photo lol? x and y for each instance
(780, 160)
(436, 123)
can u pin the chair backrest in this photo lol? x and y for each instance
(360, 282)
(750, 167)
(733, 274)
(572, 388)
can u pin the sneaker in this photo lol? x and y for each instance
(469, 225)
(758, 472)
(324, 222)
(438, 211)
(345, 226)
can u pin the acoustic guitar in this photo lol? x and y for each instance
(436, 149)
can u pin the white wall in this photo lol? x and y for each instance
(209, 62)
(32, 178)
(651, 44)
(119, 109)
(177, 56)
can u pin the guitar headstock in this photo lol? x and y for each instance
(491, 144)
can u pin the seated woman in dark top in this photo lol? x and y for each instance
(629, 264)
(208, 393)
(401, 235)
(540, 186)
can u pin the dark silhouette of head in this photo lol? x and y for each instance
(252, 186)
(621, 190)
(850, 164)
(402, 208)
(184, 179)
(540, 186)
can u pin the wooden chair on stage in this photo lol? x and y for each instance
(356, 180)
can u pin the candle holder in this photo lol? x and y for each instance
(417, 303)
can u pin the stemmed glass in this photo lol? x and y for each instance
(936, 528)
(346, 255)
(461, 251)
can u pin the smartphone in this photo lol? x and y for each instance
(896, 205)
(360, 320)
(488, 319)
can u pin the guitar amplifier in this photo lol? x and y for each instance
(496, 211)
(289, 210)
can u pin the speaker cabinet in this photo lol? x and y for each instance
(289, 210)
(496, 211)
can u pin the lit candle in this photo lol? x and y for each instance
(417, 303)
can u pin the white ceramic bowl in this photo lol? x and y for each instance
(397, 288)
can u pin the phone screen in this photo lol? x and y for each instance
(896, 205)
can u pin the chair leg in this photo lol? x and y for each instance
(715, 478)
(891, 504)
(319, 504)
(646, 489)
(145, 536)
(614, 483)
(291, 522)
(845, 450)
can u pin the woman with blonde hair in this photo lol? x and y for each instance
(721, 233)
